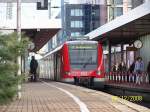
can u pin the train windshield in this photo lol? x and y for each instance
(83, 56)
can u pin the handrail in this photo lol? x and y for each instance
(127, 77)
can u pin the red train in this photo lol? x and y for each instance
(79, 62)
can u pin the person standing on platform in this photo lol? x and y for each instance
(122, 67)
(139, 66)
(33, 68)
(131, 69)
(148, 71)
(131, 72)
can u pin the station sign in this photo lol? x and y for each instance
(131, 49)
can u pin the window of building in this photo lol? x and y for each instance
(76, 24)
(118, 2)
(75, 34)
(111, 13)
(72, 12)
(76, 12)
(118, 11)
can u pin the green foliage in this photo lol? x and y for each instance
(10, 49)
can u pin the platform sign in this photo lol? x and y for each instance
(131, 49)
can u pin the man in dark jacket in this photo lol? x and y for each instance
(131, 69)
(33, 68)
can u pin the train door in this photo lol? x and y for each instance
(58, 67)
(55, 67)
(57, 63)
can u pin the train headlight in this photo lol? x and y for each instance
(99, 72)
(67, 73)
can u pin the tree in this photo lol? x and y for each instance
(10, 49)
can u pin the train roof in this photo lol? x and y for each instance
(53, 51)
(70, 42)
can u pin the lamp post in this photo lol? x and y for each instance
(19, 39)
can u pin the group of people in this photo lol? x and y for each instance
(121, 67)
(136, 67)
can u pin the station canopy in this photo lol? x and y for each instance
(39, 31)
(125, 28)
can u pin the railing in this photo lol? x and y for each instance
(127, 77)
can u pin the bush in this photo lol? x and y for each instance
(10, 49)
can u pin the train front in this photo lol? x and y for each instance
(86, 62)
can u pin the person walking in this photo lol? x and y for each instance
(148, 71)
(33, 68)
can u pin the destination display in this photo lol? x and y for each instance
(83, 46)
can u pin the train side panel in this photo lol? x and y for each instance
(65, 65)
(99, 79)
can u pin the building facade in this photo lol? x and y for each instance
(80, 19)
(117, 8)
(136, 3)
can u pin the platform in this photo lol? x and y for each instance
(60, 97)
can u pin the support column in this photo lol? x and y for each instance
(115, 55)
(122, 57)
(109, 56)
